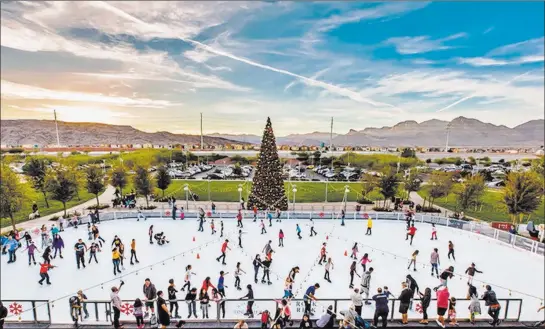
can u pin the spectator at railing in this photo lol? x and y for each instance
(3, 314)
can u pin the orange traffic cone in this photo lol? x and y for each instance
(346, 253)
(198, 256)
(193, 239)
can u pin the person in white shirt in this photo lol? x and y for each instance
(116, 305)
(357, 301)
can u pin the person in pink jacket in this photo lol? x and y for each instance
(364, 260)
(443, 296)
(281, 238)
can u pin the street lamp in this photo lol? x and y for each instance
(294, 190)
(346, 191)
(240, 192)
(186, 189)
(209, 190)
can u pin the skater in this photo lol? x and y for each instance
(249, 296)
(323, 253)
(212, 227)
(182, 213)
(266, 271)
(262, 225)
(221, 228)
(413, 260)
(369, 226)
(447, 274)
(278, 213)
(494, 307)
(213, 207)
(343, 215)
(138, 313)
(80, 247)
(451, 250)
(44, 268)
(413, 286)
(298, 230)
(93, 252)
(471, 272)
(116, 242)
(240, 238)
(239, 219)
(220, 304)
(133, 252)
(254, 210)
(150, 233)
(12, 246)
(224, 248)
(139, 215)
(329, 265)
(238, 270)
(433, 232)
(174, 210)
(201, 224)
(31, 249)
(404, 302)
(47, 255)
(443, 296)
(116, 260)
(281, 238)
(355, 251)
(190, 299)
(187, 278)
(122, 255)
(172, 299)
(309, 297)
(206, 284)
(410, 233)
(434, 261)
(150, 293)
(366, 285)
(58, 244)
(96, 235)
(381, 308)
(257, 264)
(353, 271)
(312, 231)
(221, 283)
(267, 248)
(425, 299)
(89, 232)
(364, 260)
(161, 238)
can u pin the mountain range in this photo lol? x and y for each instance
(463, 132)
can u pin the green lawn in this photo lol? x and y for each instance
(228, 190)
(54, 206)
(493, 208)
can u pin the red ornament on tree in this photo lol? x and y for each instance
(16, 308)
(127, 308)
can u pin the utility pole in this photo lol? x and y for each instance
(57, 128)
(202, 143)
(331, 141)
(448, 133)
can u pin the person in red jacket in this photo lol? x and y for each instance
(281, 238)
(410, 233)
(224, 248)
(443, 297)
(206, 284)
(322, 254)
(43, 272)
(239, 219)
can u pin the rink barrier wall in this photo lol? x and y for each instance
(480, 228)
(38, 314)
(101, 311)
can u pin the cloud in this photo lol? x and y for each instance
(11, 90)
(524, 52)
(421, 44)
(527, 47)
(488, 30)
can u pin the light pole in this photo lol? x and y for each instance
(103, 165)
(186, 189)
(209, 200)
(240, 194)
(294, 190)
(346, 191)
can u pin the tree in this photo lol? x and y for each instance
(369, 183)
(62, 186)
(237, 170)
(95, 181)
(522, 194)
(316, 155)
(387, 184)
(36, 168)
(412, 183)
(440, 185)
(163, 179)
(12, 194)
(428, 160)
(268, 186)
(142, 183)
(470, 192)
(119, 178)
(303, 156)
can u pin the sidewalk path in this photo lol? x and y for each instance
(105, 197)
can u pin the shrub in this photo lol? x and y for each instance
(54, 218)
(364, 201)
(430, 209)
(100, 206)
(382, 209)
(148, 207)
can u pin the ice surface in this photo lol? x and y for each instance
(516, 270)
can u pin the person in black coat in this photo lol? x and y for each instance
(381, 308)
(3, 314)
(413, 286)
(425, 299)
(405, 298)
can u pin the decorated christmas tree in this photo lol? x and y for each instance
(268, 186)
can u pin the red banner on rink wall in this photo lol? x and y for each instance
(504, 226)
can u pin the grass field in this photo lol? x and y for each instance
(493, 209)
(54, 206)
(228, 191)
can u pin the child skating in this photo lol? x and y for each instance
(364, 260)
(433, 232)
(212, 227)
(355, 251)
(238, 271)
(262, 225)
(298, 231)
(328, 266)
(281, 238)
(323, 253)
(451, 250)
(353, 271)
(471, 272)
(413, 260)
(312, 231)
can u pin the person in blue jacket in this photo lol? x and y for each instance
(381, 308)
(54, 231)
(11, 245)
(298, 230)
(309, 297)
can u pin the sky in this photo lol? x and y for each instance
(158, 65)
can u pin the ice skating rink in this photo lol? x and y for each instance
(511, 272)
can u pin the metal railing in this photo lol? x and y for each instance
(28, 311)
(510, 311)
(516, 241)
